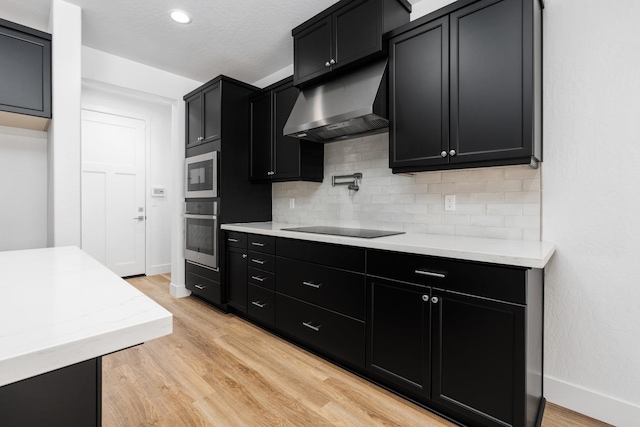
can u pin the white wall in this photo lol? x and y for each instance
(157, 113)
(23, 189)
(63, 206)
(591, 201)
(105, 69)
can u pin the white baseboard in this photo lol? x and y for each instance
(158, 269)
(178, 291)
(592, 404)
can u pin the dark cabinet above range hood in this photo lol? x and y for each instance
(348, 106)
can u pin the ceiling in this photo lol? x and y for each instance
(244, 39)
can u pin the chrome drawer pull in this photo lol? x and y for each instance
(257, 244)
(232, 240)
(259, 304)
(312, 285)
(258, 278)
(430, 274)
(310, 326)
(258, 261)
(201, 287)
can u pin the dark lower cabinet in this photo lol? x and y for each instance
(203, 282)
(478, 358)
(399, 332)
(461, 338)
(237, 278)
(66, 397)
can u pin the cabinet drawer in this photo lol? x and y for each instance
(325, 331)
(491, 281)
(203, 282)
(262, 261)
(266, 244)
(262, 305)
(337, 290)
(235, 239)
(262, 278)
(345, 257)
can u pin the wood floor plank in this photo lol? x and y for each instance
(220, 370)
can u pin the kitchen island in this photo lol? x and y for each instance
(60, 312)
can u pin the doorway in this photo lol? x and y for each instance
(113, 191)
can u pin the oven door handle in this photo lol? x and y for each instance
(192, 216)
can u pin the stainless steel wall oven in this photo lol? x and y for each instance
(201, 233)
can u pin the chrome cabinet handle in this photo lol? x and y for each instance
(327, 64)
(257, 244)
(332, 62)
(434, 300)
(312, 285)
(258, 278)
(258, 261)
(452, 153)
(430, 274)
(200, 138)
(259, 304)
(310, 326)
(201, 287)
(232, 240)
(425, 298)
(244, 256)
(270, 173)
(443, 154)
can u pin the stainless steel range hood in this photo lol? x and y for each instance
(346, 107)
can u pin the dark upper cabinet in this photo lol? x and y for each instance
(344, 35)
(204, 118)
(276, 157)
(25, 86)
(419, 86)
(465, 87)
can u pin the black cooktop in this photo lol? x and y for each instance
(348, 232)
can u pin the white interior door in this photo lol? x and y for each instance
(113, 191)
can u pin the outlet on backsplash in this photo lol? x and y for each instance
(292, 203)
(450, 202)
(496, 202)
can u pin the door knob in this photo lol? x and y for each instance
(434, 300)
(425, 298)
(139, 217)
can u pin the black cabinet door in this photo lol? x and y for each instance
(419, 93)
(478, 358)
(312, 51)
(261, 150)
(398, 344)
(286, 150)
(487, 82)
(25, 67)
(237, 278)
(357, 31)
(211, 114)
(193, 107)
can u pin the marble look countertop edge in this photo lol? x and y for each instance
(522, 253)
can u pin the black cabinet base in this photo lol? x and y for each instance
(66, 397)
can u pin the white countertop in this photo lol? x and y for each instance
(59, 306)
(495, 251)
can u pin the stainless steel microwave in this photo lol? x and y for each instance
(201, 175)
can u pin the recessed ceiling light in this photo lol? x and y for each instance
(180, 16)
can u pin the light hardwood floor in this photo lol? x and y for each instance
(219, 370)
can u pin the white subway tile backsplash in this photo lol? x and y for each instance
(498, 202)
